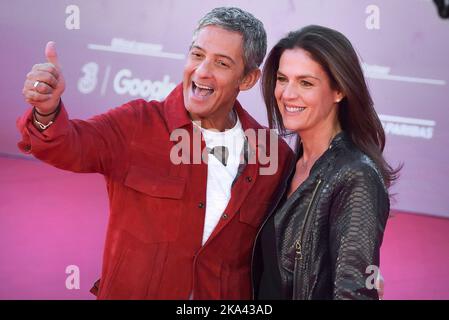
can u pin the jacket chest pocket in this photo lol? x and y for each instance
(254, 210)
(153, 205)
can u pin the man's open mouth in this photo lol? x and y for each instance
(201, 90)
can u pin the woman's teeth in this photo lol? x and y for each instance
(294, 109)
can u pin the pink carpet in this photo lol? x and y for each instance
(50, 219)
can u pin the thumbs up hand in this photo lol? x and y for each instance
(45, 83)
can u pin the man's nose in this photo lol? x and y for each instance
(204, 69)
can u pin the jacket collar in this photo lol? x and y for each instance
(176, 115)
(328, 157)
(174, 110)
(338, 139)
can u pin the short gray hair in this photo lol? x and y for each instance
(238, 20)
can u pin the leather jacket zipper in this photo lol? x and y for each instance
(299, 242)
(257, 236)
(292, 167)
(298, 257)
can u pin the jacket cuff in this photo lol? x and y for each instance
(34, 140)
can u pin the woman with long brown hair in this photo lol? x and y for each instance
(323, 239)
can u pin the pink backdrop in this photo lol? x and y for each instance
(127, 50)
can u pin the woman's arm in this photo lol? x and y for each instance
(358, 217)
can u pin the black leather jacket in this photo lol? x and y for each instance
(331, 228)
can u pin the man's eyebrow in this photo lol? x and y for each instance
(218, 54)
(226, 57)
(194, 46)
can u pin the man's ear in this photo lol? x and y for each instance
(249, 80)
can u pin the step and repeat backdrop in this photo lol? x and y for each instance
(115, 51)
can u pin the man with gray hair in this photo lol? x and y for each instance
(179, 228)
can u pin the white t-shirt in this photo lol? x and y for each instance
(219, 176)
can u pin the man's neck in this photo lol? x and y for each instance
(219, 124)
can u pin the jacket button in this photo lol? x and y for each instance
(224, 216)
(249, 179)
(201, 205)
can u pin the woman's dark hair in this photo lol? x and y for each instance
(356, 114)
